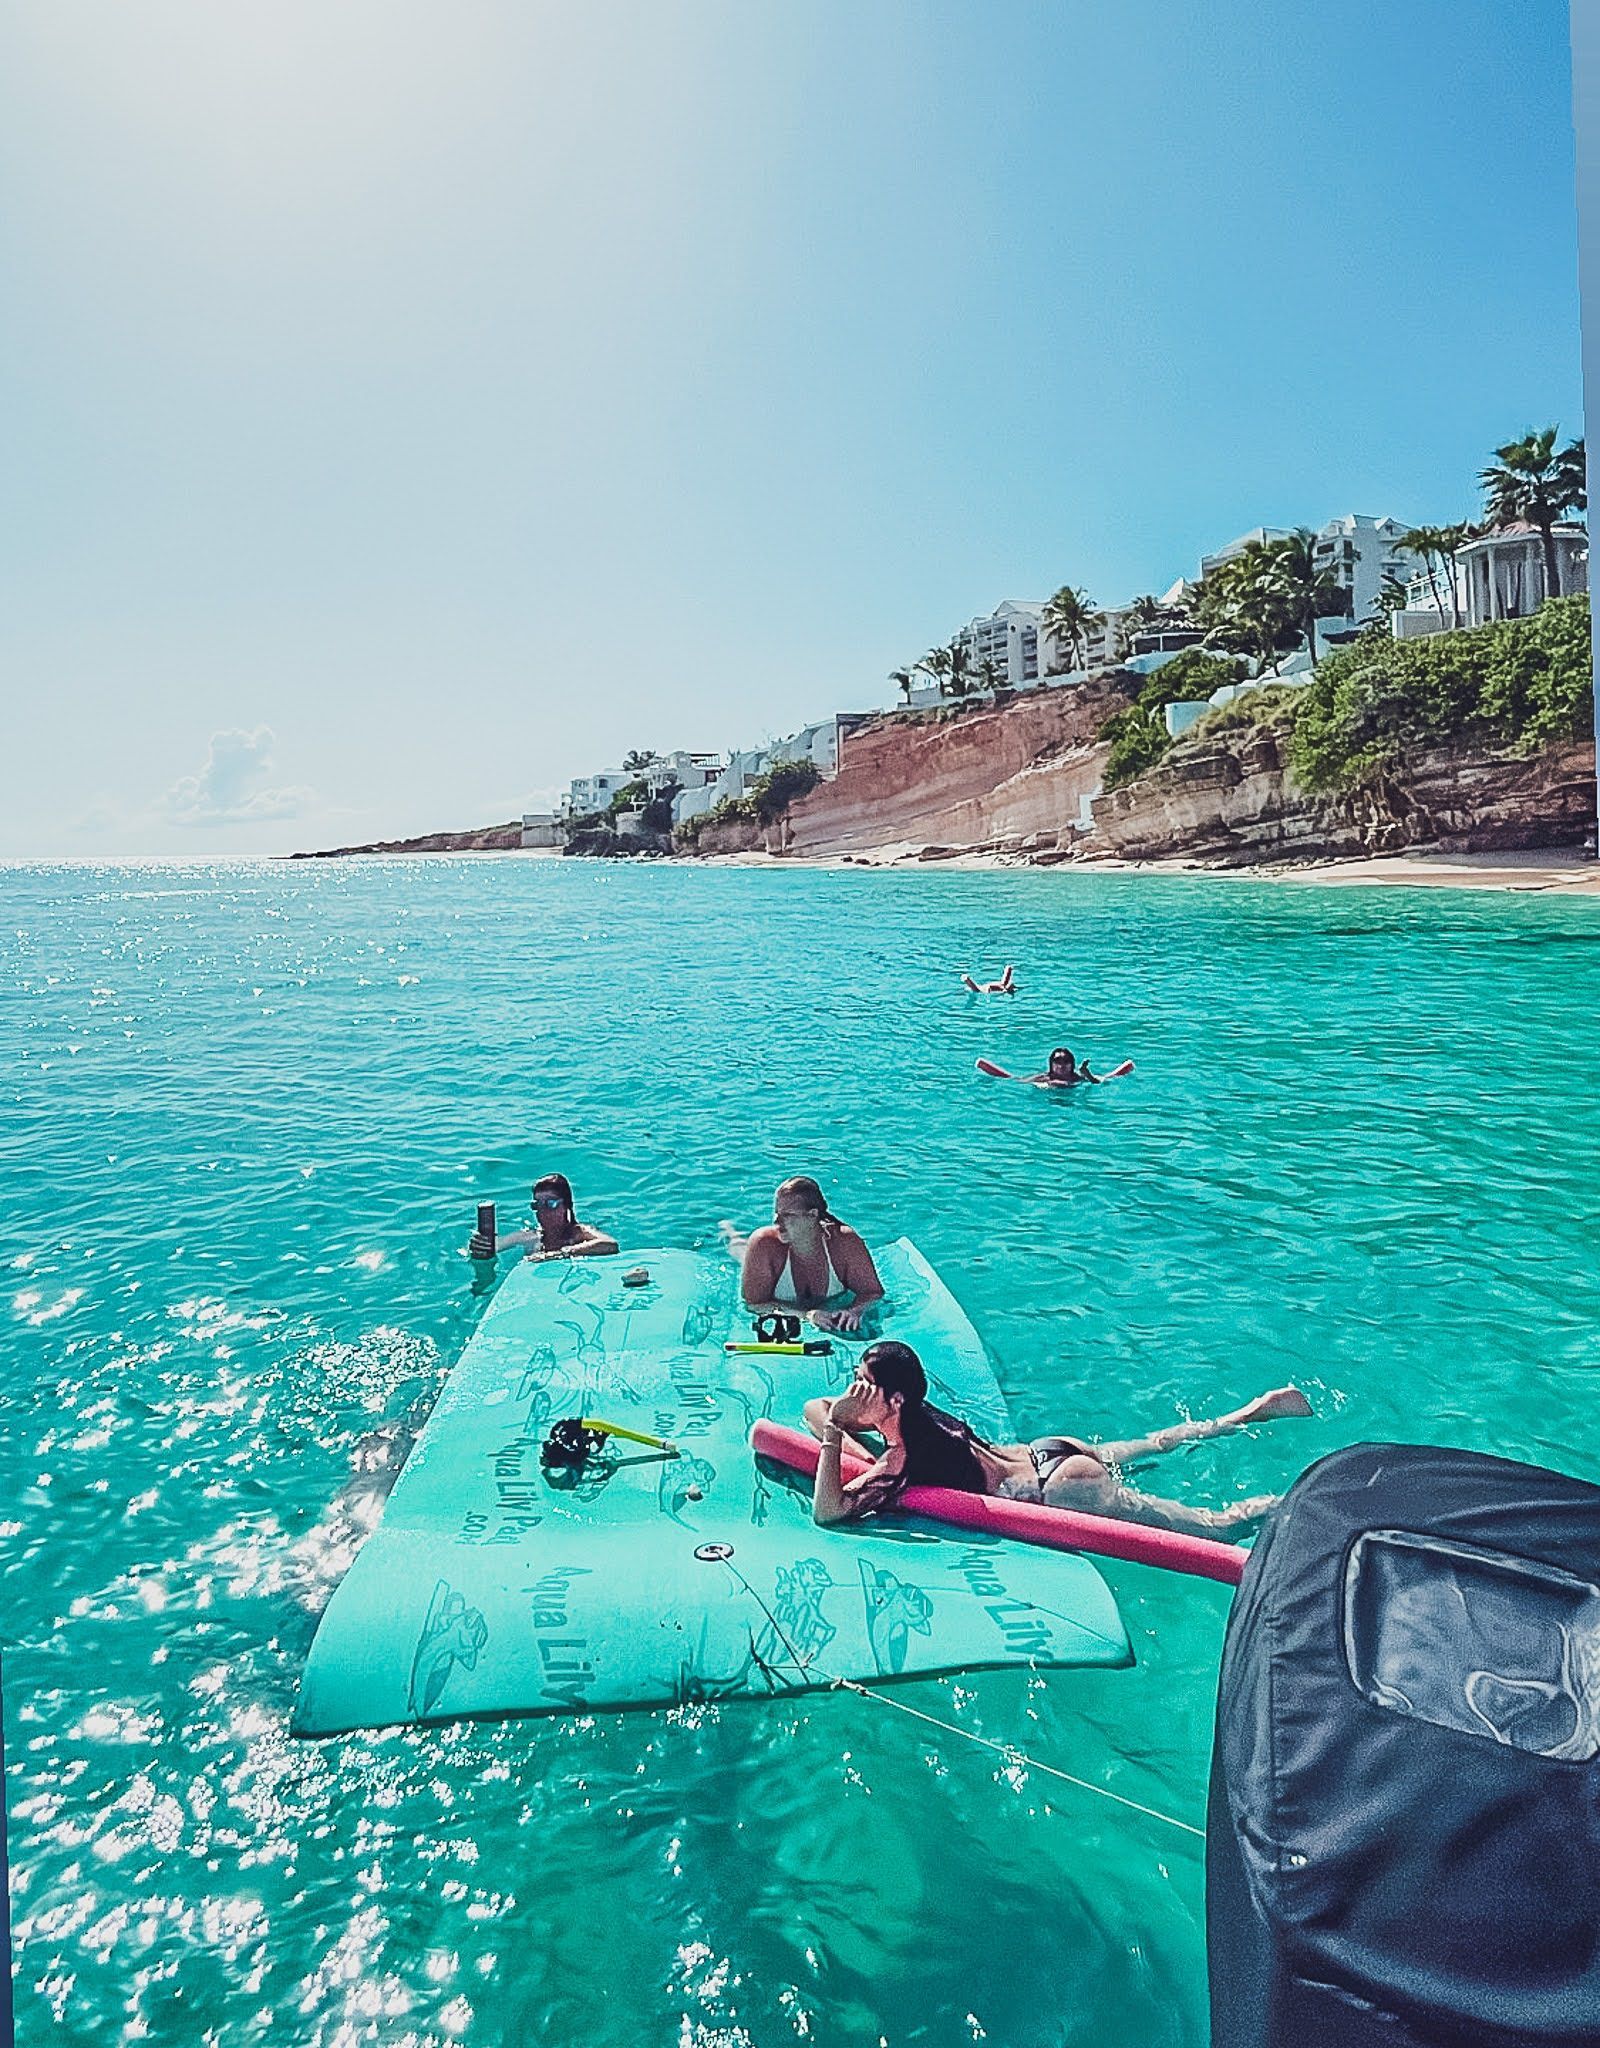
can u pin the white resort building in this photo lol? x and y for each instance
(1363, 555)
(1360, 551)
(687, 770)
(589, 793)
(1004, 645)
(818, 743)
(1500, 576)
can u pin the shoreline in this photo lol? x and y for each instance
(1556, 871)
(1553, 871)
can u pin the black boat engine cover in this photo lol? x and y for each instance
(1403, 1840)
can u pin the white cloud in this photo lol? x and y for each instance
(229, 790)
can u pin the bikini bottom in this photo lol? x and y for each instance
(1047, 1453)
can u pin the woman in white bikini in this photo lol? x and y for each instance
(923, 1446)
(806, 1259)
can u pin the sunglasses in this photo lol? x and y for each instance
(777, 1329)
(548, 1202)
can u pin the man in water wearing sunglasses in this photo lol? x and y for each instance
(559, 1234)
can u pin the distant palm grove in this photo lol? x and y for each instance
(1263, 602)
(1522, 683)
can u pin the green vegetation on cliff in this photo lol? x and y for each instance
(765, 801)
(1521, 684)
(1139, 735)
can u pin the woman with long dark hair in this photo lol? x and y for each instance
(923, 1446)
(557, 1233)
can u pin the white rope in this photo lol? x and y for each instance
(1008, 1750)
(1013, 1755)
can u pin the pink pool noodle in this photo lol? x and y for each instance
(1049, 1528)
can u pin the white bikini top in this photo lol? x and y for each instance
(784, 1289)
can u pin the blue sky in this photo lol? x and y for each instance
(412, 406)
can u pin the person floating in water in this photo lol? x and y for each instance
(923, 1446)
(1005, 986)
(1061, 1071)
(806, 1259)
(558, 1233)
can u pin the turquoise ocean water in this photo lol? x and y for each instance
(249, 1109)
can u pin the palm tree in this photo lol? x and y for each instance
(1247, 604)
(1391, 598)
(959, 670)
(1531, 479)
(904, 680)
(1144, 615)
(1452, 539)
(1071, 617)
(1429, 543)
(636, 762)
(1309, 591)
(936, 663)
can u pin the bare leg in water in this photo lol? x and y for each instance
(1088, 1485)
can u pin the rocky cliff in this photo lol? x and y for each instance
(1229, 797)
(1016, 770)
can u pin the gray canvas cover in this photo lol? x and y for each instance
(1404, 1831)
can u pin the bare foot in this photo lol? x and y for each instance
(1281, 1401)
(1246, 1511)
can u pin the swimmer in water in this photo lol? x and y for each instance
(806, 1259)
(1063, 1071)
(557, 1234)
(923, 1446)
(1005, 986)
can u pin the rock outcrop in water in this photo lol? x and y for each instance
(484, 839)
(1229, 797)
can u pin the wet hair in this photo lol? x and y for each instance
(558, 1184)
(940, 1449)
(813, 1197)
(1061, 1053)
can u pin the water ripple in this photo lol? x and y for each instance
(251, 1107)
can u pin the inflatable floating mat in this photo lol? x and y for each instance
(493, 1587)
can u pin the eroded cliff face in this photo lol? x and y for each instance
(737, 835)
(1011, 771)
(1230, 798)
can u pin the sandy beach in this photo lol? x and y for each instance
(1560, 871)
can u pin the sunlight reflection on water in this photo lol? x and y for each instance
(251, 1111)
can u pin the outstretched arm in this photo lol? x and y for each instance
(759, 1270)
(588, 1244)
(853, 1264)
(480, 1247)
